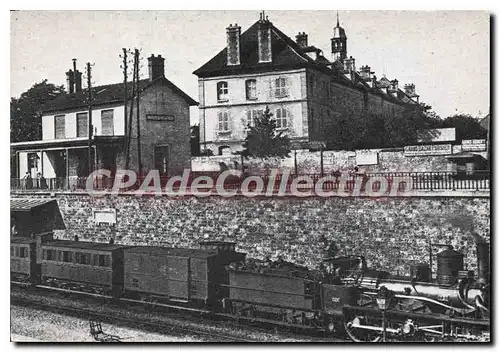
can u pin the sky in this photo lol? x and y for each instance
(446, 54)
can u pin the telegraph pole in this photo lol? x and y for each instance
(129, 123)
(89, 85)
(125, 86)
(138, 122)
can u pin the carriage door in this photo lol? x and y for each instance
(161, 159)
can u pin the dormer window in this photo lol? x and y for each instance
(222, 91)
(251, 89)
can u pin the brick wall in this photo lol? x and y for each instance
(391, 233)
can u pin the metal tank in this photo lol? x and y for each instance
(449, 262)
(420, 272)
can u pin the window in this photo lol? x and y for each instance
(59, 126)
(23, 252)
(67, 257)
(82, 125)
(252, 115)
(281, 90)
(12, 251)
(107, 123)
(222, 91)
(223, 119)
(281, 118)
(251, 89)
(82, 258)
(103, 260)
(49, 254)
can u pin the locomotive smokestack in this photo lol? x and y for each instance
(483, 260)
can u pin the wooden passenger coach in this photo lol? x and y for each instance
(96, 267)
(23, 264)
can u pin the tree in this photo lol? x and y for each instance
(195, 140)
(262, 140)
(25, 111)
(466, 127)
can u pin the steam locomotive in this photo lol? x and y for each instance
(345, 296)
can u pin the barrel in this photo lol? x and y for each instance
(449, 262)
(420, 272)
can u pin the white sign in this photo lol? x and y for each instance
(432, 149)
(436, 135)
(366, 158)
(474, 145)
(107, 216)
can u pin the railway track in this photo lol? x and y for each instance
(186, 314)
(151, 325)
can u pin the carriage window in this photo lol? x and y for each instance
(49, 254)
(17, 252)
(82, 258)
(23, 252)
(103, 260)
(12, 251)
(67, 257)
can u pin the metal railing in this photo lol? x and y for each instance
(415, 181)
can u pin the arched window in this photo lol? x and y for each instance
(251, 89)
(222, 91)
(282, 118)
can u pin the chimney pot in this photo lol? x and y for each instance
(70, 82)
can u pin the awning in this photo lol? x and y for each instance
(466, 156)
(37, 214)
(65, 143)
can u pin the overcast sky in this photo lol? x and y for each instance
(446, 54)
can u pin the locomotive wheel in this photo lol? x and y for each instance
(361, 335)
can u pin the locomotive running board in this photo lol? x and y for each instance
(412, 315)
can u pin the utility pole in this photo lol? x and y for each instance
(125, 86)
(138, 122)
(89, 85)
(130, 118)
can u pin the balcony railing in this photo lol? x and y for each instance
(406, 181)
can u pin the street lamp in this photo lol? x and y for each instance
(383, 301)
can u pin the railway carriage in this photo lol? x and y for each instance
(23, 260)
(86, 266)
(188, 276)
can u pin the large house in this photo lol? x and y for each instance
(304, 90)
(62, 153)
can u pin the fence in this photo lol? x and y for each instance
(414, 181)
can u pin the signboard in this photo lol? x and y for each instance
(423, 150)
(107, 216)
(474, 145)
(367, 158)
(160, 117)
(436, 135)
(294, 145)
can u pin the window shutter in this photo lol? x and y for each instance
(288, 85)
(271, 87)
(107, 123)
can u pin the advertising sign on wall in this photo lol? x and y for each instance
(424, 150)
(366, 158)
(474, 145)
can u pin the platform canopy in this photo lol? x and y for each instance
(32, 216)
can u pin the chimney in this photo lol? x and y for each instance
(410, 90)
(70, 82)
(394, 86)
(264, 39)
(350, 64)
(156, 67)
(374, 81)
(78, 81)
(233, 44)
(366, 73)
(301, 39)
